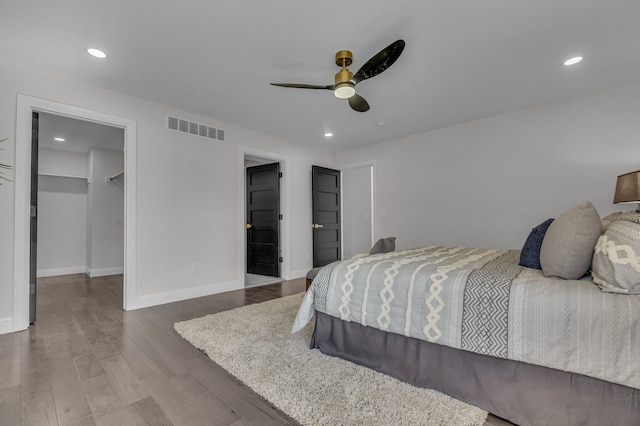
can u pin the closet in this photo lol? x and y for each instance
(80, 198)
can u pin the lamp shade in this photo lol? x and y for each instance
(628, 188)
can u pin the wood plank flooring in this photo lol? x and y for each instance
(88, 362)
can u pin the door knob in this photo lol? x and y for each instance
(248, 226)
(316, 226)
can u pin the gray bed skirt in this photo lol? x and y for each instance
(524, 394)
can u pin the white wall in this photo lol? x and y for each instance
(488, 182)
(64, 163)
(80, 224)
(356, 211)
(105, 223)
(187, 206)
(62, 212)
(62, 226)
(484, 183)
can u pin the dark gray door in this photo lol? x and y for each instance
(325, 190)
(263, 220)
(33, 231)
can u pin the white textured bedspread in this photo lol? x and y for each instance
(482, 301)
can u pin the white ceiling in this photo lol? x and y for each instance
(78, 135)
(464, 59)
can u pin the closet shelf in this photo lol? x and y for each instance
(64, 176)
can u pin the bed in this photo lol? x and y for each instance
(475, 324)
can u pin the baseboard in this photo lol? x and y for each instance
(54, 272)
(184, 294)
(118, 270)
(6, 325)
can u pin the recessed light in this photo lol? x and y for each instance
(59, 139)
(97, 53)
(328, 135)
(573, 61)
(381, 123)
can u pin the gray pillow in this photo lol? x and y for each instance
(616, 260)
(567, 247)
(383, 245)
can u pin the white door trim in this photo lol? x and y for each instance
(285, 210)
(26, 105)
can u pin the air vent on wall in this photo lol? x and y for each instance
(196, 129)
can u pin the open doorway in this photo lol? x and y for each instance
(26, 107)
(80, 199)
(358, 207)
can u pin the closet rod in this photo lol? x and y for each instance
(115, 176)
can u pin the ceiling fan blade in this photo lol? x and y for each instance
(357, 103)
(380, 62)
(303, 86)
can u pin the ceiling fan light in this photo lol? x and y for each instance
(344, 91)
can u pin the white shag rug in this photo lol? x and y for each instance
(254, 344)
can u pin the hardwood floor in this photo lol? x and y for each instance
(88, 362)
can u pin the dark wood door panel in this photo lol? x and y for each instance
(263, 219)
(326, 215)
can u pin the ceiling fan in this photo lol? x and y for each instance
(345, 81)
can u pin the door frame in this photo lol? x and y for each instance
(374, 197)
(22, 180)
(285, 209)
